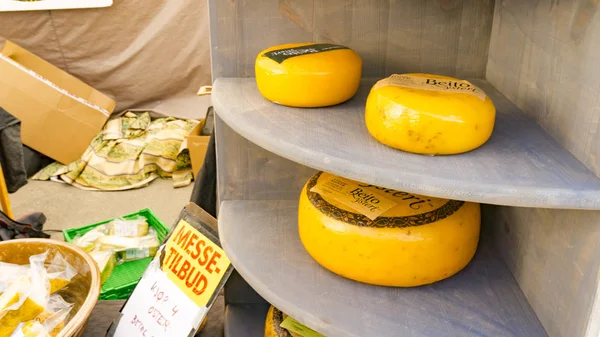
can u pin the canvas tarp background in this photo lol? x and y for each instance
(138, 52)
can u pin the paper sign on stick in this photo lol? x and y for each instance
(181, 283)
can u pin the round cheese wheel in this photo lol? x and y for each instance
(273, 324)
(429, 114)
(415, 240)
(308, 74)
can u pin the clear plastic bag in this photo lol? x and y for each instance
(27, 307)
(88, 241)
(126, 229)
(49, 323)
(56, 315)
(30, 329)
(131, 248)
(11, 273)
(135, 227)
(26, 298)
(50, 327)
(106, 261)
(60, 273)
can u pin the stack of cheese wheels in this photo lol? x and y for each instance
(273, 324)
(429, 114)
(385, 237)
(308, 75)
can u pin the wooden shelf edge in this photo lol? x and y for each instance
(533, 171)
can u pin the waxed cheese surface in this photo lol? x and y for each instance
(308, 74)
(429, 114)
(416, 240)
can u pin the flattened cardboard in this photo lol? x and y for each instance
(60, 115)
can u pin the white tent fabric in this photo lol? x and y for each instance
(139, 52)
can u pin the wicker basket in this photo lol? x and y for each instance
(82, 291)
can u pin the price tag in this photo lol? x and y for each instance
(364, 199)
(181, 283)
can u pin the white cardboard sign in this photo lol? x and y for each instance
(159, 308)
(16, 5)
(181, 283)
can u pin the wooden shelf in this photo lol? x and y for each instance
(261, 239)
(521, 165)
(245, 320)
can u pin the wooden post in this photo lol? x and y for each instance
(4, 201)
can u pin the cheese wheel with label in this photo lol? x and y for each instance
(385, 237)
(273, 324)
(429, 114)
(308, 75)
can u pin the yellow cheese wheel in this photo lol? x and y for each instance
(429, 114)
(273, 324)
(416, 240)
(308, 75)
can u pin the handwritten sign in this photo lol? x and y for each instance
(181, 283)
(158, 307)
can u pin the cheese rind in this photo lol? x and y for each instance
(273, 324)
(420, 240)
(429, 114)
(308, 74)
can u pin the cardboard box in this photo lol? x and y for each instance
(60, 115)
(198, 145)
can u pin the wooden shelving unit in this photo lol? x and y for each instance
(482, 300)
(537, 266)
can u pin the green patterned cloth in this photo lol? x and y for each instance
(130, 152)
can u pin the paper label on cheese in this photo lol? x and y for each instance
(433, 84)
(194, 263)
(365, 200)
(137, 253)
(125, 229)
(294, 326)
(281, 55)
